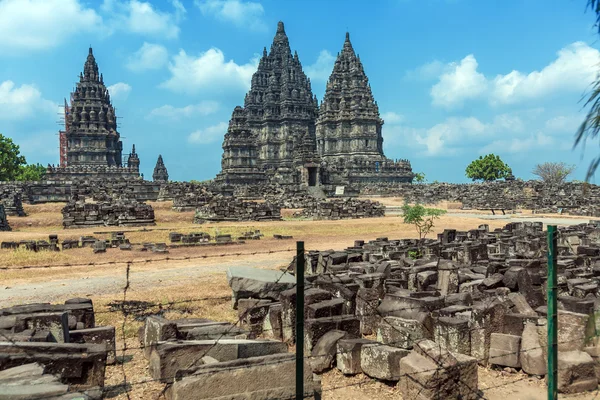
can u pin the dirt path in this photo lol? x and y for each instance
(141, 278)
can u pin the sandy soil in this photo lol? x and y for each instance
(197, 287)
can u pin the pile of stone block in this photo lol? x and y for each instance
(4, 226)
(84, 214)
(62, 341)
(33, 245)
(204, 359)
(473, 297)
(232, 209)
(191, 201)
(251, 235)
(190, 238)
(342, 209)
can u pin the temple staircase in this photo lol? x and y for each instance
(316, 192)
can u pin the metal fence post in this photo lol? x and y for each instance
(552, 315)
(300, 320)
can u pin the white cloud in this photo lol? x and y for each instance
(208, 135)
(119, 91)
(141, 17)
(518, 145)
(322, 68)
(564, 123)
(243, 14)
(22, 102)
(392, 118)
(201, 109)
(426, 72)
(149, 56)
(439, 138)
(43, 24)
(462, 82)
(209, 70)
(574, 69)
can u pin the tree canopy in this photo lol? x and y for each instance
(13, 166)
(488, 168)
(553, 172)
(422, 218)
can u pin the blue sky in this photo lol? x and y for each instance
(454, 79)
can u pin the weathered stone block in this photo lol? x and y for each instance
(504, 350)
(381, 362)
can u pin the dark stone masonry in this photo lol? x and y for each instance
(281, 134)
(4, 226)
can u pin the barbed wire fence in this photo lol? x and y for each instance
(127, 383)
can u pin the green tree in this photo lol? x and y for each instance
(10, 159)
(422, 218)
(488, 168)
(590, 127)
(553, 172)
(31, 172)
(420, 177)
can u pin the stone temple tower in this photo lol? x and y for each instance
(277, 120)
(348, 128)
(160, 173)
(92, 138)
(90, 145)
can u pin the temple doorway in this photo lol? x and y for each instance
(312, 176)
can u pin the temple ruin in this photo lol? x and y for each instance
(281, 135)
(90, 145)
(160, 173)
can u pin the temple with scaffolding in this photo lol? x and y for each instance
(90, 145)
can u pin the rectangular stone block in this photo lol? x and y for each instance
(348, 355)
(382, 362)
(100, 335)
(169, 357)
(505, 350)
(265, 377)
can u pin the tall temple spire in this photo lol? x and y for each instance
(348, 98)
(90, 68)
(160, 173)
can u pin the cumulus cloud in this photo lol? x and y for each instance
(149, 56)
(22, 102)
(243, 14)
(392, 118)
(321, 69)
(208, 135)
(33, 25)
(202, 109)
(119, 91)
(426, 72)
(536, 141)
(574, 69)
(143, 18)
(564, 123)
(209, 70)
(462, 82)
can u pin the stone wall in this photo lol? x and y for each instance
(55, 191)
(343, 209)
(82, 214)
(574, 198)
(232, 209)
(11, 198)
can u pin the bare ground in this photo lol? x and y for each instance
(197, 287)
